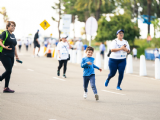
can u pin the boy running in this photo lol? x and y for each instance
(88, 72)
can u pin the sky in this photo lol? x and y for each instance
(28, 14)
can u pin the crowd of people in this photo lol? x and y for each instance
(117, 57)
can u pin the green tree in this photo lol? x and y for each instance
(107, 29)
(156, 25)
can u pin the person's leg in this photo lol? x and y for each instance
(27, 47)
(85, 83)
(34, 49)
(60, 64)
(38, 47)
(121, 68)
(65, 66)
(92, 82)
(103, 54)
(8, 64)
(113, 68)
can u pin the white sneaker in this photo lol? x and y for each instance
(97, 97)
(85, 95)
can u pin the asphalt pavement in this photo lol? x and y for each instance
(41, 95)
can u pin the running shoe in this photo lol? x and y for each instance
(64, 76)
(118, 88)
(7, 90)
(85, 95)
(38, 55)
(106, 83)
(97, 97)
(58, 73)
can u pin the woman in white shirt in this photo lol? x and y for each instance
(117, 61)
(63, 54)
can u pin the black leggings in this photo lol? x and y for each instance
(8, 65)
(61, 62)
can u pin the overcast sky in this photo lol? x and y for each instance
(28, 14)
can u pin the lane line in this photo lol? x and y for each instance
(59, 79)
(113, 92)
(30, 69)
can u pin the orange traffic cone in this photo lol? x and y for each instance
(49, 53)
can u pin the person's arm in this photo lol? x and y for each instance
(69, 44)
(17, 58)
(83, 64)
(5, 47)
(95, 66)
(59, 55)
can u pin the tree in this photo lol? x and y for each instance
(4, 13)
(156, 25)
(57, 7)
(95, 7)
(107, 29)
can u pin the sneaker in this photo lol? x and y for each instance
(64, 76)
(7, 90)
(118, 88)
(97, 97)
(38, 55)
(106, 83)
(85, 95)
(58, 73)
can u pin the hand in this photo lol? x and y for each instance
(6, 47)
(100, 69)
(17, 58)
(59, 56)
(89, 63)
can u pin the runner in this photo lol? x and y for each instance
(63, 54)
(117, 61)
(102, 49)
(135, 53)
(36, 43)
(88, 72)
(19, 44)
(79, 44)
(8, 52)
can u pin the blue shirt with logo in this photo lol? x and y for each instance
(88, 69)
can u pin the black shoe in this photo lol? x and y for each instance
(64, 76)
(58, 73)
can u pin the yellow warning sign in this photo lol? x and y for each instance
(44, 24)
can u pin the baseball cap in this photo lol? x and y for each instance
(64, 36)
(121, 30)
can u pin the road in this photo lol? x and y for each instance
(41, 95)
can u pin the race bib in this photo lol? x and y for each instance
(123, 54)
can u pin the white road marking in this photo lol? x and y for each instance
(113, 92)
(30, 69)
(59, 79)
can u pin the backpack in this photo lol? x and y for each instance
(1, 48)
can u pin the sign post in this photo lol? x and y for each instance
(91, 27)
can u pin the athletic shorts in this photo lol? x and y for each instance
(134, 56)
(36, 45)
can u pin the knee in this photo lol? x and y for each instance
(9, 71)
(93, 86)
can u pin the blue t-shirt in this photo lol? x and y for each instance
(88, 69)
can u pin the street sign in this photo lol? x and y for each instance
(44, 24)
(91, 26)
(66, 18)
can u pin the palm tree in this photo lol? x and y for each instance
(91, 6)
